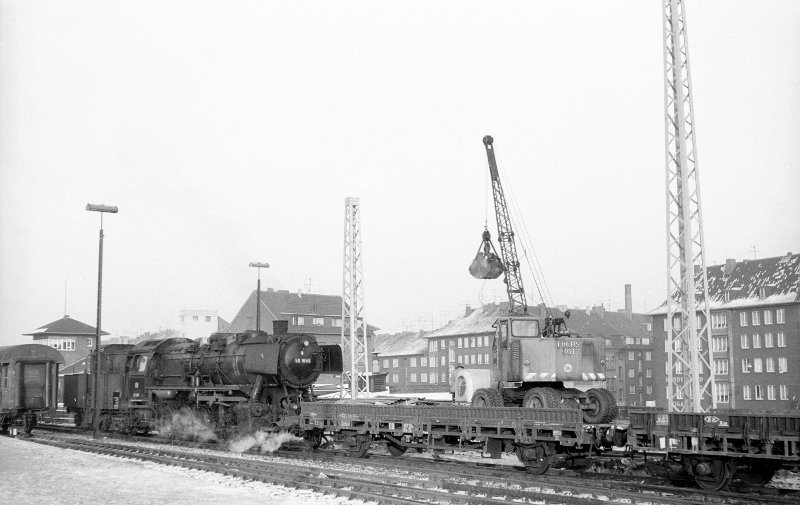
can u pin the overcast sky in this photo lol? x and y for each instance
(231, 132)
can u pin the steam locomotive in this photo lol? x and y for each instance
(237, 382)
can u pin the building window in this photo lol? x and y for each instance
(746, 392)
(460, 343)
(208, 319)
(784, 392)
(472, 341)
(722, 392)
(432, 362)
(395, 378)
(608, 342)
(480, 359)
(423, 377)
(486, 340)
(645, 341)
(742, 318)
(412, 377)
(744, 342)
(780, 316)
(632, 389)
(89, 342)
(412, 362)
(719, 344)
(755, 318)
(770, 365)
(336, 322)
(631, 373)
(759, 392)
(431, 346)
(719, 320)
(443, 378)
(756, 341)
(649, 389)
(4, 376)
(486, 358)
(386, 364)
(423, 361)
(443, 360)
(720, 367)
(768, 319)
(781, 339)
(298, 320)
(631, 356)
(459, 359)
(757, 366)
(432, 378)
(783, 365)
(395, 363)
(649, 372)
(318, 321)
(648, 356)
(628, 340)
(770, 390)
(747, 365)
(768, 340)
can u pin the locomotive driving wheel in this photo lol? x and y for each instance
(535, 458)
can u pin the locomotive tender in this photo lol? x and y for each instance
(237, 382)
(28, 384)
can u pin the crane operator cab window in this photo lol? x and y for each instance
(501, 336)
(525, 328)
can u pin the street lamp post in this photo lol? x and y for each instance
(259, 266)
(102, 209)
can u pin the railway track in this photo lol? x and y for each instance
(405, 480)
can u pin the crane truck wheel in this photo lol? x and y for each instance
(599, 407)
(487, 397)
(541, 398)
(613, 411)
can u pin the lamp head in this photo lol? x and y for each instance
(102, 208)
(259, 265)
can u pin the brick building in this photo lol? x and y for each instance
(72, 338)
(403, 358)
(754, 334)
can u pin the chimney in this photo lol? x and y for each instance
(730, 266)
(628, 301)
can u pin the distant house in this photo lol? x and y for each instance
(754, 307)
(403, 358)
(72, 338)
(313, 314)
(200, 324)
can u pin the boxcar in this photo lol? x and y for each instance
(28, 384)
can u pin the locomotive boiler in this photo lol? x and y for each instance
(236, 382)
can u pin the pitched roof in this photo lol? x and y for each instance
(739, 284)
(596, 322)
(400, 344)
(65, 326)
(282, 304)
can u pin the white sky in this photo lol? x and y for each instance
(230, 132)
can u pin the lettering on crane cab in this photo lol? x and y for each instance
(567, 348)
(559, 343)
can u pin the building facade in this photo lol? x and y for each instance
(200, 324)
(754, 334)
(72, 338)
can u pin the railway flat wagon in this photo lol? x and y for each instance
(540, 438)
(28, 384)
(716, 448)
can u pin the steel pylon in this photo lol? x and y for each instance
(690, 381)
(355, 377)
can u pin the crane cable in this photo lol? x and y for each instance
(526, 243)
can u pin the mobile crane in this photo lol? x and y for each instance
(536, 361)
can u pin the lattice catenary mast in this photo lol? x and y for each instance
(354, 327)
(690, 383)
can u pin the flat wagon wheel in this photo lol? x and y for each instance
(358, 445)
(758, 474)
(541, 398)
(535, 458)
(487, 397)
(395, 449)
(712, 474)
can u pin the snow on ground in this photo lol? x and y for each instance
(37, 474)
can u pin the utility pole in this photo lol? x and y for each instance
(354, 326)
(690, 381)
(259, 266)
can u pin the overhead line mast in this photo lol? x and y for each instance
(690, 381)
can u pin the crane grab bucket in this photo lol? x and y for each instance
(486, 265)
